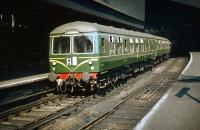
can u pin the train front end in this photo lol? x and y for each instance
(73, 60)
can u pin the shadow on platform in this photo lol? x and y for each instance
(189, 78)
(184, 91)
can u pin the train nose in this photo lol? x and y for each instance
(52, 77)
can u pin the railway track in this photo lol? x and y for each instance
(123, 111)
(48, 112)
(45, 110)
(23, 94)
(129, 112)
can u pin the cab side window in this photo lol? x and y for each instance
(103, 49)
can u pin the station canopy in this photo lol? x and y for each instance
(94, 8)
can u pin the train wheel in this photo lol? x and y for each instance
(100, 91)
(88, 89)
(112, 85)
(63, 88)
(108, 88)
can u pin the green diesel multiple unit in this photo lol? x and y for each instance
(87, 56)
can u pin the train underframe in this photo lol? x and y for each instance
(92, 82)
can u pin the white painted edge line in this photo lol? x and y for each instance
(22, 82)
(148, 116)
(188, 65)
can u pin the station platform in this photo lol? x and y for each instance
(22, 81)
(18, 70)
(179, 108)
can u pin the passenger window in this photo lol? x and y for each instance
(118, 49)
(141, 40)
(126, 47)
(159, 46)
(151, 45)
(140, 47)
(146, 46)
(108, 47)
(120, 40)
(111, 39)
(137, 47)
(145, 49)
(131, 47)
(136, 40)
(111, 49)
(154, 44)
(131, 40)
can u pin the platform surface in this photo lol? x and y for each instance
(22, 81)
(192, 70)
(179, 108)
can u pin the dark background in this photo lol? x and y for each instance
(178, 22)
(24, 45)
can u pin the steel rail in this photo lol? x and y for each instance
(54, 116)
(45, 119)
(15, 111)
(154, 80)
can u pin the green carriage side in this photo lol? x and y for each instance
(117, 50)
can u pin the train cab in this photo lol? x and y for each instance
(73, 57)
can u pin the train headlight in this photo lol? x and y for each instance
(90, 62)
(54, 63)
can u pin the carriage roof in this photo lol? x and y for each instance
(94, 27)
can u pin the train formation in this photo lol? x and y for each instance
(89, 56)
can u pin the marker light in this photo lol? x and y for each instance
(54, 63)
(90, 62)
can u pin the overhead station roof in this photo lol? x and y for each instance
(94, 27)
(133, 8)
(86, 7)
(194, 3)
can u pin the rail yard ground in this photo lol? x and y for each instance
(118, 108)
(123, 109)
